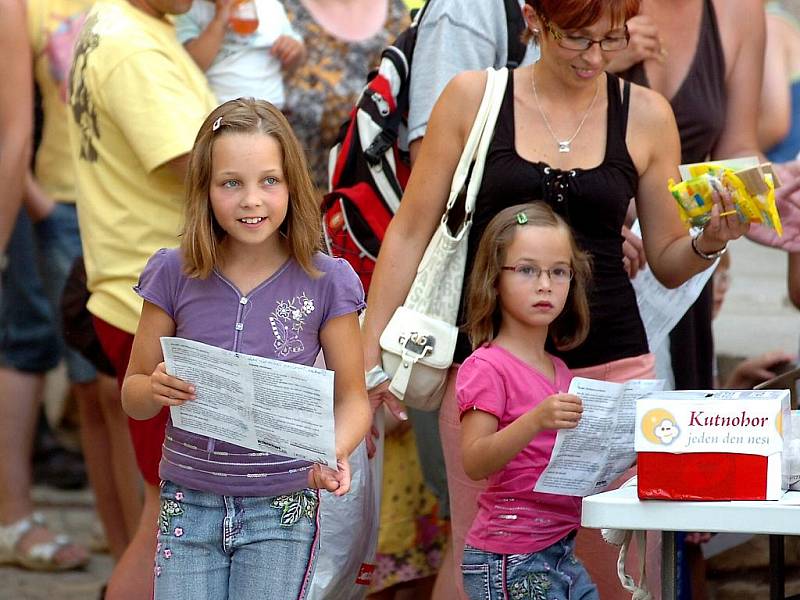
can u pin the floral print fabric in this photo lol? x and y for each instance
(321, 92)
(412, 535)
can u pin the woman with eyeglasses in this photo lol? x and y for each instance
(585, 143)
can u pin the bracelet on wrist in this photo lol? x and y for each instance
(707, 255)
(375, 376)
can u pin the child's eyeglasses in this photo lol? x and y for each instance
(533, 273)
(572, 42)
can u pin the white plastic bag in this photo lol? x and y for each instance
(349, 529)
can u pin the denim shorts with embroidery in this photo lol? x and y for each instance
(550, 574)
(214, 547)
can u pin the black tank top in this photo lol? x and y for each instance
(594, 202)
(700, 102)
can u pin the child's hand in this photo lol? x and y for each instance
(291, 52)
(223, 9)
(559, 411)
(325, 478)
(168, 390)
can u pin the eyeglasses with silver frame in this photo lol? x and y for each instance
(558, 274)
(581, 43)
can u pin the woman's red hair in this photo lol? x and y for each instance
(576, 14)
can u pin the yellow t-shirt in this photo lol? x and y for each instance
(137, 101)
(412, 4)
(53, 26)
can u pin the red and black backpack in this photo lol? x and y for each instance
(368, 170)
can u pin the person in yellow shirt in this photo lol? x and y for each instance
(43, 244)
(137, 101)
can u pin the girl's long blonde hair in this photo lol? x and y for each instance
(202, 234)
(571, 327)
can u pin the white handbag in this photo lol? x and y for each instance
(419, 341)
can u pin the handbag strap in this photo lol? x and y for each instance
(498, 92)
(473, 157)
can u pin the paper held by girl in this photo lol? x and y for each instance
(751, 185)
(713, 445)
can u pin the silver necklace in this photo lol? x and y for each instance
(563, 145)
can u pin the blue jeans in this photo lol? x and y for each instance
(213, 547)
(550, 574)
(40, 256)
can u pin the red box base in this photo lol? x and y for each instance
(702, 476)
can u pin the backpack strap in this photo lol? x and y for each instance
(515, 25)
(416, 15)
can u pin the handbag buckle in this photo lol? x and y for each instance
(417, 343)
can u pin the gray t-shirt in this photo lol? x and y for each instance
(453, 38)
(279, 319)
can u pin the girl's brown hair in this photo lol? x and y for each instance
(571, 327)
(202, 234)
(576, 14)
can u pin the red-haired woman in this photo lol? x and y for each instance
(584, 142)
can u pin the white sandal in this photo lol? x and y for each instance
(38, 557)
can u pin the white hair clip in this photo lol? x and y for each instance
(216, 124)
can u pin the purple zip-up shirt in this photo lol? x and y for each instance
(280, 319)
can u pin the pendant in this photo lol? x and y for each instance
(563, 146)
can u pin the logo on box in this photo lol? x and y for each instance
(660, 427)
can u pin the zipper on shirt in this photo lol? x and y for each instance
(239, 326)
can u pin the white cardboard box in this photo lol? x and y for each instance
(712, 445)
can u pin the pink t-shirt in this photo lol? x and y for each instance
(512, 518)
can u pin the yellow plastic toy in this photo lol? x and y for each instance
(752, 191)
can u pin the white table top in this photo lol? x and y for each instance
(622, 509)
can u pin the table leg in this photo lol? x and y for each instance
(776, 574)
(669, 567)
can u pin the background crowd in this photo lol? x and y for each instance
(99, 111)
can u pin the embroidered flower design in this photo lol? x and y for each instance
(178, 531)
(157, 571)
(178, 496)
(167, 553)
(158, 547)
(287, 321)
(531, 587)
(283, 310)
(296, 506)
(169, 509)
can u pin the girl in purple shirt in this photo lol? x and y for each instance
(248, 277)
(528, 290)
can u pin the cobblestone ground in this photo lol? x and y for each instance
(72, 513)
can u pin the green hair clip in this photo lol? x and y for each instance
(522, 218)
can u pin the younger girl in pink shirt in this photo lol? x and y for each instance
(531, 293)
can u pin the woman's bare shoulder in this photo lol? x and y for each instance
(467, 87)
(737, 18)
(736, 11)
(459, 101)
(652, 129)
(649, 108)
